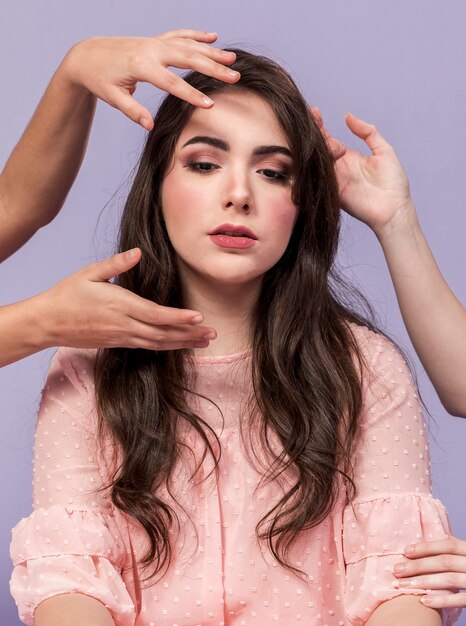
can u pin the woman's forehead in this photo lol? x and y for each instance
(236, 117)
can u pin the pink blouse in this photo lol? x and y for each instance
(75, 541)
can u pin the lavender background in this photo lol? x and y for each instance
(397, 64)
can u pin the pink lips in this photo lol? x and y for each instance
(232, 236)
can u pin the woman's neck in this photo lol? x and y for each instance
(226, 308)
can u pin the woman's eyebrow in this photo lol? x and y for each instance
(211, 141)
(223, 145)
(273, 150)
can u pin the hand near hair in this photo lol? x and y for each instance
(435, 565)
(373, 189)
(86, 311)
(111, 67)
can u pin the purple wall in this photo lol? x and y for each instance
(397, 64)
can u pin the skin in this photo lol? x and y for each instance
(375, 190)
(33, 189)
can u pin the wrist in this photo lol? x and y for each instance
(403, 224)
(41, 324)
(68, 74)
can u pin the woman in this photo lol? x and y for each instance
(235, 485)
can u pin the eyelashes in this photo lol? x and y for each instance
(203, 167)
(206, 167)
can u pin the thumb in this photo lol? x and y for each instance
(117, 264)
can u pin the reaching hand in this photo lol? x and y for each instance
(86, 311)
(373, 189)
(111, 67)
(435, 565)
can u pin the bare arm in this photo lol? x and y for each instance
(404, 611)
(375, 190)
(434, 317)
(72, 610)
(33, 188)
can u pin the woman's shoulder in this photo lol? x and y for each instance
(381, 356)
(72, 366)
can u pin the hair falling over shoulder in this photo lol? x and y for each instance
(306, 365)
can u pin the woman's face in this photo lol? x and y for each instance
(227, 196)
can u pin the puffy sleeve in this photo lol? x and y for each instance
(71, 543)
(393, 505)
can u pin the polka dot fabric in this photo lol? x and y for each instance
(75, 541)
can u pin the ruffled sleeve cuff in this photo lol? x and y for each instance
(375, 533)
(57, 551)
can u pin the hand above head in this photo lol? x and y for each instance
(111, 67)
(41, 169)
(373, 189)
(435, 565)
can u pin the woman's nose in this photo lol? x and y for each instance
(238, 195)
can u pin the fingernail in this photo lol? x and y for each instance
(197, 318)
(201, 344)
(144, 123)
(399, 567)
(130, 254)
(232, 73)
(208, 101)
(404, 583)
(426, 600)
(409, 549)
(395, 583)
(210, 335)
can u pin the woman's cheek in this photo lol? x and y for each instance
(285, 214)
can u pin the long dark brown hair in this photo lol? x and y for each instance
(306, 364)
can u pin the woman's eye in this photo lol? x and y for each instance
(203, 167)
(274, 175)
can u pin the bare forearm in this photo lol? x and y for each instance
(434, 317)
(72, 610)
(404, 611)
(43, 165)
(23, 330)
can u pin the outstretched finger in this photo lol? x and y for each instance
(442, 580)
(317, 115)
(117, 264)
(188, 33)
(449, 545)
(168, 81)
(148, 312)
(368, 133)
(430, 565)
(122, 100)
(453, 600)
(336, 147)
(165, 345)
(175, 333)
